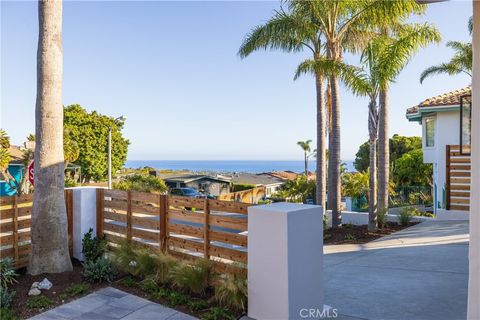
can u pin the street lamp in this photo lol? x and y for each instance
(121, 118)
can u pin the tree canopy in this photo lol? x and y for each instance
(399, 147)
(90, 132)
(142, 183)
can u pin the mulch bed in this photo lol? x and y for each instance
(352, 234)
(57, 293)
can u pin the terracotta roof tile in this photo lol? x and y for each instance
(446, 99)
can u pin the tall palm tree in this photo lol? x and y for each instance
(346, 25)
(461, 62)
(292, 32)
(305, 145)
(408, 40)
(49, 217)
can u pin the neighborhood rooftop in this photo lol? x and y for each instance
(451, 98)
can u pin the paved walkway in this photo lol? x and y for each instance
(417, 273)
(110, 303)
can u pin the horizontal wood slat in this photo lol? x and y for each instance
(459, 207)
(459, 194)
(227, 253)
(144, 234)
(115, 216)
(227, 206)
(115, 194)
(185, 215)
(145, 208)
(177, 201)
(185, 244)
(186, 230)
(146, 222)
(228, 237)
(114, 228)
(229, 222)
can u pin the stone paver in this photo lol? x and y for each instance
(417, 273)
(110, 303)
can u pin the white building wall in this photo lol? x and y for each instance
(447, 132)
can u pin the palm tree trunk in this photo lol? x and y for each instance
(383, 151)
(372, 203)
(306, 164)
(49, 217)
(334, 186)
(321, 178)
(373, 135)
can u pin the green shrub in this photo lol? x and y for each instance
(177, 298)
(198, 305)
(405, 216)
(93, 248)
(78, 289)
(231, 291)
(7, 272)
(349, 237)
(382, 217)
(193, 276)
(143, 262)
(149, 285)
(100, 270)
(6, 297)
(160, 293)
(217, 313)
(142, 183)
(39, 302)
(7, 314)
(128, 282)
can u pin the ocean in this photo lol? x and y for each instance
(252, 166)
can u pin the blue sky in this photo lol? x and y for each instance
(172, 68)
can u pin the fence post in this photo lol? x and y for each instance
(206, 228)
(15, 229)
(162, 212)
(129, 216)
(447, 178)
(69, 207)
(100, 208)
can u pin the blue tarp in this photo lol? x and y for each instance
(17, 172)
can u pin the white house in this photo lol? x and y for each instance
(446, 134)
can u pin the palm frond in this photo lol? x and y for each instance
(444, 68)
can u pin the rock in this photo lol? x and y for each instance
(45, 284)
(34, 285)
(34, 292)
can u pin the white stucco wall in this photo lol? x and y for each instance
(447, 132)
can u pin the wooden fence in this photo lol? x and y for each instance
(184, 227)
(458, 179)
(15, 223)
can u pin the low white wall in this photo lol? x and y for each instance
(361, 218)
(84, 216)
(443, 214)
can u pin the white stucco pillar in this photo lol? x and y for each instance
(285, 261)
(84, 216)
(474, 255)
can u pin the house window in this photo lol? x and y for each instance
(465, 124)
(429, 132)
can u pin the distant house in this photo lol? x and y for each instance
(271, 183)
(209, 185)
(446, 121)
(16, 169)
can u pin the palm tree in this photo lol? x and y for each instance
(346, 25)
(461, 62)
(409, 39)
(292, 32)
(49, 251)
(305, 145)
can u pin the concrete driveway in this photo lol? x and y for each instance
(417, 273)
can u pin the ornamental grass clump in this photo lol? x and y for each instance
(405, 216)
(192, 276)
(231, 291)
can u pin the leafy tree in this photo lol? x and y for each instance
(49, 248)
(461, 62)
(90, 131)
(399, 145)
(142, 183)
(355, 184)
(291, 32)
(411, 171)
(298, 190)
(305, 145)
